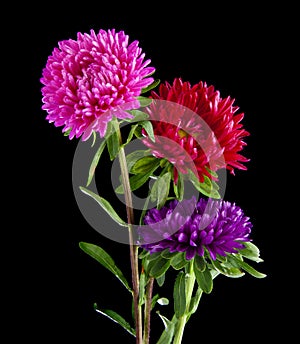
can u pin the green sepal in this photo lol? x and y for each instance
(144, 101)
(251, 252)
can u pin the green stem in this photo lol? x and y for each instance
(133, 248)
(189, 287)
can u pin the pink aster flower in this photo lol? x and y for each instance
(90, 80)
(210, 135)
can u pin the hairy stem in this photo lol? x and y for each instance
(147, 310)
(133, 248)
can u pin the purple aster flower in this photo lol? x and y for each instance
(90, 80)
(218, 226)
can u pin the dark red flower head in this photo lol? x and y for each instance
(197, 119)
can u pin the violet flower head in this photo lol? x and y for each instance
(218, 226)
(89, 80)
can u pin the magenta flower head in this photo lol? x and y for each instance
(216, 226)
(90, 80)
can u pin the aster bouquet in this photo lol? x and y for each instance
(173, 140)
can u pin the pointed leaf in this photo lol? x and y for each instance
(144, 165)
(113, 144)
(246, 267)
(200, 263)
(159, 267)
(160, 189)
(95, 162)
(117, 319)
(105, 206)
(147, 125)
(144, 101)
(195, 301)
(161, 280)
(251, 252)
(151, 86)
(204, 279)
(105, 260)
(168, 333)
(142, 286)
(179, 295)
(178, 261)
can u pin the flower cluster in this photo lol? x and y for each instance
(94, 84)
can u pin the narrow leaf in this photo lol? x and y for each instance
(246, 267)
(204, 279)
(112, 139)
(168, 333)
(195, 301)
(147, 125)
(179, 295)
(251, 252)
(105, 206)
(117, 319)
(161, 280)
(151, 86)
(144, 101)
(200, 263)
(142, 286)
(105, 260)
(95, 162)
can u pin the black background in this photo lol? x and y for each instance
(235, 48)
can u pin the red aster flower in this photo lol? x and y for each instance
(196, 129)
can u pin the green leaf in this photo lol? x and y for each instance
(144, 164)
(168, 333)
(163, 301)
(147, 125)
(137, 180)
(144, 101)
(227, 269)
(195, 301)
(204, 279)
(138, 116)
(105, 206)
(251, 252)
(179, 187)
(132, 158)
(154, 300)
(144, 254)
(207, 188)
(67, 133)
(179, 295)
(167, 254)
(95, 162)
(142, 286)
(159, 267)
(160, 190)
(113, 145)
(105, 260)
(178, 261)
(161, 280)
(246, 267)
(151, 86)
(200, 263)
(117, 319)
(130, 135)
